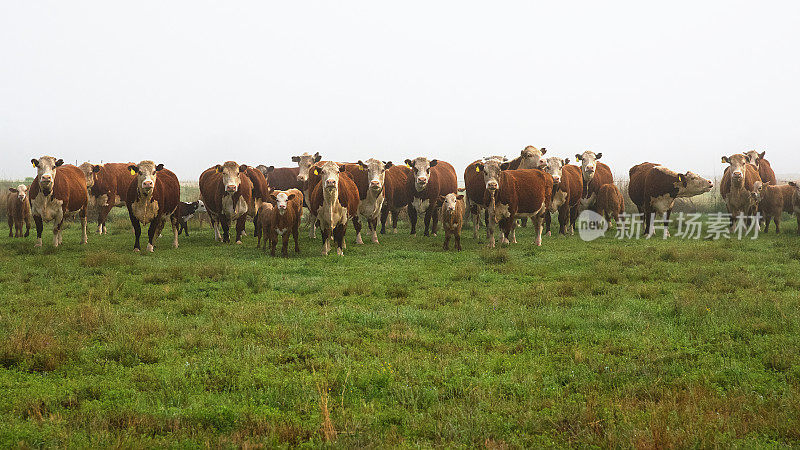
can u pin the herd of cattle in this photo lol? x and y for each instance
(530, 186)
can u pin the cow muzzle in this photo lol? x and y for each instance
(230, 188)
(330, 183)
(302, 178)
(556, 179)
(147, 185)
(492, 185)
(375, 185)
(737, 175)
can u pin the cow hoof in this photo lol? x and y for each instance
(375, 241)
(359, 240)
(538, 242)
(174, 245)
(150, 248)
(548, 233)
(136, 250)
(394, 231)
(339, 252)
(239, 242)
(38, 244)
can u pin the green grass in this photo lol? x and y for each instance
(609, 343)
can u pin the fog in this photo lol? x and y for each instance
(191, 84)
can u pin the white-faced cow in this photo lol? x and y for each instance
(737, 186)
(334, 201)
(475, 189)
(765, 171)
(153, 196)
(58, 190)
(227, 193)
(595, 174)
(18, 211)
(566, 196)
(369, 178)
(305, 176)
(452, 212)
(288, 210)
(429, 179)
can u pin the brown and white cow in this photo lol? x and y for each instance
(18, 211)
(515, 193)
(737, 186)
(529, 158)
(452, 212)
(566, 196)
(765, 171)
(334, 201)
(227, 193)
(395, 194)
(475, 189)
(108, 185)
(305, 176)
(653, 188)
(429, 179)
(609, 203)
(265, 216)
(261, 192)
(369, 178)
(281, 178)
(773, 200)
(58, 190)
(152, 197)
(285, 219)
(796, 202)
(595, 174)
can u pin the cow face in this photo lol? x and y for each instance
(588, 164)
(758, 191)
(201, 207)
(46, 167)
(281, 199)
(754, 158)
(376, 171)
(531, 158)
(329, 175)
(421, 170)
(90, 172)
(305, 161)
(448, 202)
(146, 172)
(491, 173)
(796, 187)
(21, 191)
(553, 166)
(738, 163)
(230, 175)
(691, 184)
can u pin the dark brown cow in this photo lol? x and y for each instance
(796, 202)
(334, 201)
(227, 193)
(475, 188)
(452, 212)
(153, 195)
(566, 195)
(765, 171)
(515, 193)
(395, 195)
(609, 203)
(429, 180)
(653, 189)
(288, 210)
(737, 186)
(18, 211)
(595, 174)
(58, 190)
(773, 201)
(108, 185)
(309, 181)
(282, 178)
(261, 192)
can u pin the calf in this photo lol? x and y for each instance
(227, 193)
(152, 197)
(395, 195)
(58, 190)
(452, 212)
(107, 185)
(566, 195)
(765, 171)
(185, 212)
(737, 187)
(18, 210)
(335, 201)
(265, 217)
(796, 202)
(515, 193)
(369, 178)
(609, 203)
(285, 219)
(305, 175)
(429, 180)
(595, 174)
(773, 201)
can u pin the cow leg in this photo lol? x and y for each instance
(326, 243)
(285, 244)
(175, 228)
(797, 215)
(563, 218)
(226, 225)
(547, 219)
(296, 234)
(102, 215)
(37, 220)
(486, 221)
(476, 219)
(573, 217)
(384, 216)
(152, 232)
(338, 236)
(373, 226)
(357, 226)
(84, 223)
(312, 224)
(395, 213)
(435, 214)
(514, 231)
(412, 218)
(240, 223)
(537, 224)
(10, 226)
(458, 239)
(58, 222)
(523, 222)
(490, 233)
(256, 225)
(428, 214)
(273, 242)
(446, 245)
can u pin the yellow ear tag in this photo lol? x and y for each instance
(34, 165)
(408, 166)
(316, 172)
(133, 172)
(477, 169)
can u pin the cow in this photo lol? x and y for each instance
(737, 186)
(653, 188)
(773, 200)
(429, 179)
(796, 202)
(281, 178)
(515, 193)
(227, 193)
(152, 197)
(335, 201)
(185, 212)
(595, 174)
(609, 203)
(285, 220)
(765, 171)
(452, 212)
(18, 211)
(566, 195)
(306, 178)
(395, 195)
(369, 178)
(475, 188)
(107, 185)
(529, 158)
(261, 192)
(58, 190)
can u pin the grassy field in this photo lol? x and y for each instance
(609, 343)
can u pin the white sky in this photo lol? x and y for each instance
(191, 84)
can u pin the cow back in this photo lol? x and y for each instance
(524, 190)
(766, 173)
(474, 185)
(658, 183)
(113, 180)
(637, 175)
(360, 177)
(394, 182)
(572, 183)
(69, 186)
(284, 178)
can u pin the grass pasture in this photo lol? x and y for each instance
(609, 343)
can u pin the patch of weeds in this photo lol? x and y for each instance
(495, 256)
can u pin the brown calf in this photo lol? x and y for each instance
(57, 190)
(796, 202)
(764, 167)
(285, 219)
(18, 210)
(108, 187)
(609, 203)
(153, 195)
(773, 201)
(737, 186)
(452, 212)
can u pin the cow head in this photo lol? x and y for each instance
(329, 175)
(90, 172)
(281, 199)
(201, 207)
(264, 169)
(588, 164)
(230, 175)
(738, 167)
(796, 187)
(376, 172)
(754, 158)
(491, 173)
(421, 170)
(146, 173)
(531, 157)
(553, 166)
(305, 161)
(691, 184)
(758, 191)
(46, 167)
(448, 202)
(21, 191)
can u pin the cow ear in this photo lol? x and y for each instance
(793, 184)
(316, 171)
(159, 167)
(132, 169)
(342, 168)
(291, 196)
(478, 167)
(96, 168)
(270, 169)
(566, 161)
(272, 196)
(361, 163)
(578, 157)
(218, 168)
(387, 164)
(682, 178)
(243, 168)
(598, 156)
(543, 150)
(505, 166)
(35, 162)
(14, 190)
(440, 200)
(408, 162)
(725, 159)
(295, 159)
(317, 157)
(59, 162)
(460, 197)
(761, 155)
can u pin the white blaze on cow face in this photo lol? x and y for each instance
(754, 158)
(230, 175)
(21, 191)
(281, 199)
(553, 166)
(376, 172)
(146, 172)
(588, 164)
(738, 164)
(531, 158)
(694, 184)
(46, 167)
(491, 173)
(305, 161)
(329, 175)
(758, 190)
(201, 207)
(450, 201)
(421, 171)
